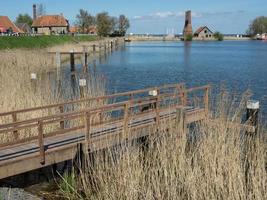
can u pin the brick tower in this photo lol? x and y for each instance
(188, 30)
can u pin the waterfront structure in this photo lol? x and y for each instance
(51, 146)
(50, 24)
(188, 30)
(203, 33)
(7, 26)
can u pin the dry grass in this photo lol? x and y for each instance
(211, 161)
(18, 91)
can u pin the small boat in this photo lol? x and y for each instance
(127, 40)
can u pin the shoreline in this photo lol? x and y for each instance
(161, 38)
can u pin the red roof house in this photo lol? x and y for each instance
(6, 24)
(48, 24)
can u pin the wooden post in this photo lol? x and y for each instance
(94, 49)
(72, 61)
(94, 66)
(181, 119)
(206, 101)
(14, 118)
(184, 97)
(41, 142)
(157, 107)
(87, 130)
(125, 121)
(82, 85)
(58, 64)
(61, 110)
(85, 59)
(111, 45)
(253, 108)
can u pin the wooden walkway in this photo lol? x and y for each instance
(54, 133)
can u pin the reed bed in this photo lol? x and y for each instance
(211, 161)
(19, 91)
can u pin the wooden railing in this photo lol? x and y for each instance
(131, 105)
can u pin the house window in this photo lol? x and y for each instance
(207, 36)
(205, 31)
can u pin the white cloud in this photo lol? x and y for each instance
(165, 15)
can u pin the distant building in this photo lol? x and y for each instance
(203, 32)
(50, 24)
(24, 27)
(91, 30)
(7, 26)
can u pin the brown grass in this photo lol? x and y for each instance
(18, 91)
(211, 161)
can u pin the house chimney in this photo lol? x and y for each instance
(34, 12)
(188, 30)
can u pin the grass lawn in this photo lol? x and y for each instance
(29, 42)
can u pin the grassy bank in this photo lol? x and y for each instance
(41, 41)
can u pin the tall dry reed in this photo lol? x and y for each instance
(212, 161)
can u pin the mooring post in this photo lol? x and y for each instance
(94, 49)
(253, 108)
(111, 45)
(58, 64)
(252, 117)
(34, 81)
(82, 85)
(72, 61)
(85, 59)
(94, 66)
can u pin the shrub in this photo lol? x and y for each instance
(189, 37)
(218, 36)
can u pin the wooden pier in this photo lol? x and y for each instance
(55, 132)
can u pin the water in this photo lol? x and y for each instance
(239, 65)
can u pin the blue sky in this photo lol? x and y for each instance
(154, 16)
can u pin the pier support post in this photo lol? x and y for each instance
(111, 45)
(82, 85)
(94, 49)
(85, 59)
(72, 61)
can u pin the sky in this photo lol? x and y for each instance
(154, 16)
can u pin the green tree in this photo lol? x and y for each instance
(24, 18)
(258, 26)
(123, 25)
(84, 20)
(105, 24)
(218, 36)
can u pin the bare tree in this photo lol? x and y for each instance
(84, 20)
(123, 24)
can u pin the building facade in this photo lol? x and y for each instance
(7, 26)
(50, 24)
(203, 33)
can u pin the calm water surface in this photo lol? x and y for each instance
(240, 65)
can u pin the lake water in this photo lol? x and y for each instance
(239, 65)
